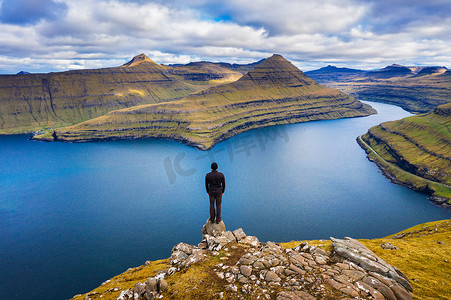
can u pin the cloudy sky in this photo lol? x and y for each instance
(57, 35)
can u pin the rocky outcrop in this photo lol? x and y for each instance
(266, 270)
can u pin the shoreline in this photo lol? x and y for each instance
(439, 201)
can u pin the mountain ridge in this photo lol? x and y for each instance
(275, 92)
(417, 89)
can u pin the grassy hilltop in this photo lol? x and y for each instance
(30, 102)
(275, 92)
(416, 89)
(419, 145)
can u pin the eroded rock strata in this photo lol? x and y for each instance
(275, 92)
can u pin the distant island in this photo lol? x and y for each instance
(274, 92)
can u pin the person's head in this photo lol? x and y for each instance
(214, 166)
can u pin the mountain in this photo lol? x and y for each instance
(232, 265)
(415, 151)
(207, 74)
(391, 71)
(415, 89)
(274, 92)
(332, 73)
(30, 102)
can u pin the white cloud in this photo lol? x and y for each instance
(311, 33)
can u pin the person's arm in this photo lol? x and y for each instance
(223, 184)
(206, 184)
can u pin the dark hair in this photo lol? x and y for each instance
(214, 166)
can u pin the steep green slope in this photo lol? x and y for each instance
(31, 102)
(275, 92)
(420, 145)
(416, 89)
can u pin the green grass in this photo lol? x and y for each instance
(418, 145)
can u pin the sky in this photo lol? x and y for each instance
(60, 35)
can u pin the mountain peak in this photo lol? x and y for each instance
(276, 70)
(139, 59)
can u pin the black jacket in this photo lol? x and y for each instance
(215, 182)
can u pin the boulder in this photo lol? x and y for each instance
(213, 228)
(239, 234)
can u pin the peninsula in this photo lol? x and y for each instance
(274, 92)
(415, 152)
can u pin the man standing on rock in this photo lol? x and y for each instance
(215, 185)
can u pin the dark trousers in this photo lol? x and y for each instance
(218, 198)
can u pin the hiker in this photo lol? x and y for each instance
(215, 185)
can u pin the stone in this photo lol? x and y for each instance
(203, 245)
(231, 288)
(239, 234)
(184, 247)
(178, 257)
(297, 269)
(139, 288)
(320, 260)
(193, 259)
(246, 270)
(294, 295)
(172, 270)
(247, 259)
(229, 235)
(353, 274)
(235, 270)
(388, 246)
(272, 248)
(162, 285)
(251, 241)
(126, 295)
(259, 265)
(213, 228)
(400, 292)
(385, 290)
(229, 277)
(151, 285)
(272, 277)
(350, 291)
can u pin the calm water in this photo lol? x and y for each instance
(74, 215)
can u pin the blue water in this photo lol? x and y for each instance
(74, 215)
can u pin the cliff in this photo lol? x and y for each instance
(415, 89)
(418, 145)
(233, 265)
(31, 102)
(274, 92)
